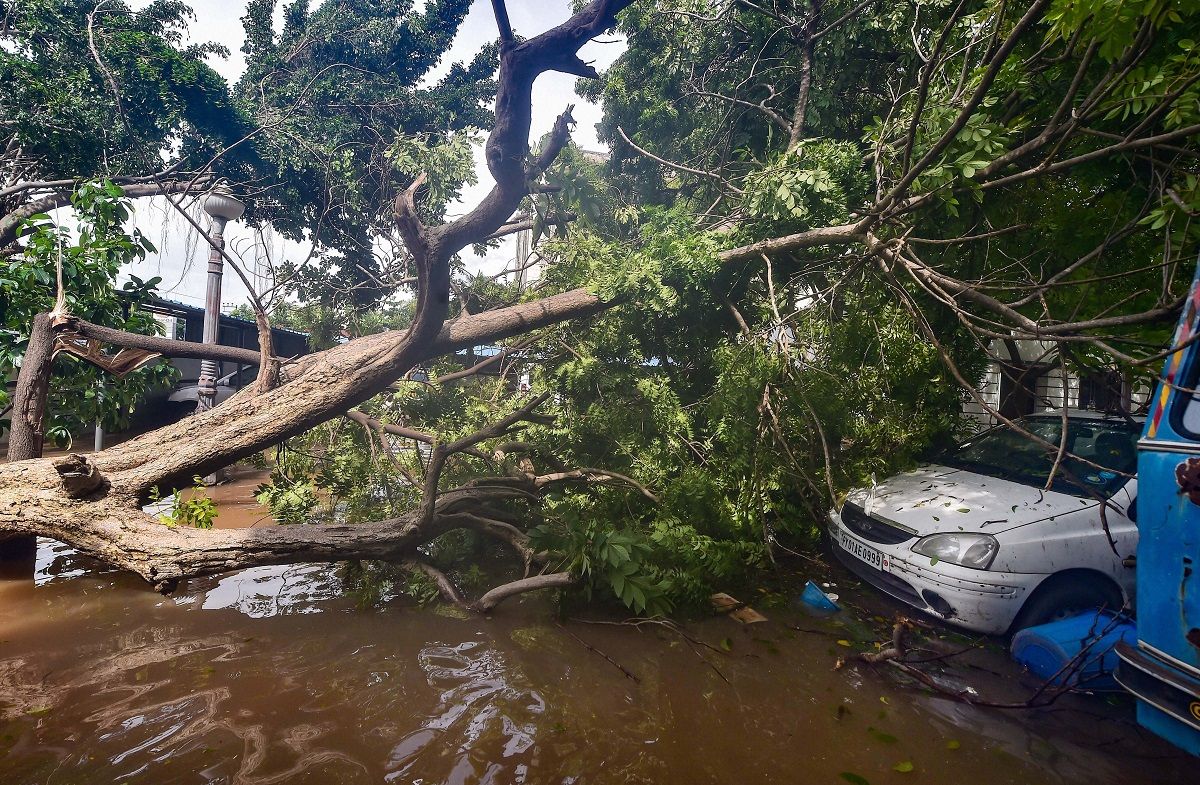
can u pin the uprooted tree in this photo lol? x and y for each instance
(1026, 173)
(94, 502)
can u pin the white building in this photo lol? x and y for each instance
(1033, 380)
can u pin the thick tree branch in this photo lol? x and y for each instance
(846, 234)
(553, 580)
(167, 347)
(512, 227)
(592, 475)
(11, 222)
(449, 591)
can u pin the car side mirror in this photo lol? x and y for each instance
(1131, 510)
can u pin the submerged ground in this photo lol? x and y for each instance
(279, 675)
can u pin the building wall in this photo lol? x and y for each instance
(989, 391)
(1048, 392)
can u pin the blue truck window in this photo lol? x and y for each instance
(1185, 409)
(1186, 412)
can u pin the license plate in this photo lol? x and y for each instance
(860, 551)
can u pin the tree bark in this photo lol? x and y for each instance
(167, 347)
(28, 434)
(553, 580)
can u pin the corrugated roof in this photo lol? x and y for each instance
(167, 304)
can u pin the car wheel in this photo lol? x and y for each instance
(1067, 594)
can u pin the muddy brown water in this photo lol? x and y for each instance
(278, 675)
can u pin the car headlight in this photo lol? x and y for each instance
(966, 550)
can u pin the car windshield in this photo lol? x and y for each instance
(1091, 444)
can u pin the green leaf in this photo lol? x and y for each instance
(904, 767)
(854, 779)
(639, 597)
(879, 735)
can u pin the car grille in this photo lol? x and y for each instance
(872, 529)
(886, 582)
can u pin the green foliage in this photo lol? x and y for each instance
(289, 501)
(448, 164)
(197, 510)
(59, 107)
(667, 264)
(350, 117)
(619, 561)
(668, 390)
(92, 252)
(421, 588)
(370, 583)
(1113, 23)
(811, 182)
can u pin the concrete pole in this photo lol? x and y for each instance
(207, 383)
(98, 441)
(222, 207)
(524, 241)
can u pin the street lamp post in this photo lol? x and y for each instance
(221, 207)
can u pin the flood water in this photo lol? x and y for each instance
(279, 675)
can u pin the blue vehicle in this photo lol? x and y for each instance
(1163, 669)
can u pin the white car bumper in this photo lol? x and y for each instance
(978, 600)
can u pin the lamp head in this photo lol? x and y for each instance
(221, 203)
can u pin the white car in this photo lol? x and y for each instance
(976, 541)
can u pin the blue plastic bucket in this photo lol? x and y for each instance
(813, 596)
(1048, 649)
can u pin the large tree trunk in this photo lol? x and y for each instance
(28, 434)
(317, 388)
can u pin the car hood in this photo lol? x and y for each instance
(936, 498)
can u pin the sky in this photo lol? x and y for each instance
(181, 259)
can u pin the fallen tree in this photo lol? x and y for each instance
(847, 238)
(94, 503)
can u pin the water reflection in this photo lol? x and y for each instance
(483, 710)
(274, 675)
(58, 562)
(260, 592)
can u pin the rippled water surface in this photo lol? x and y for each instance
(274, 675)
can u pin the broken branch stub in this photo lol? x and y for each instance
(80, 479)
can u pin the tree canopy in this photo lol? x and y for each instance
(330, 115)
(343, 97)
(308, 134)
